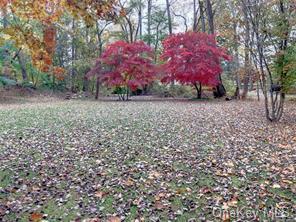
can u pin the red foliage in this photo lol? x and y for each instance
(192, 58)
(125, 64)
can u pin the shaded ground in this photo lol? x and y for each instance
(146, 161)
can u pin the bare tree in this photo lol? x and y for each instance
(259, 16)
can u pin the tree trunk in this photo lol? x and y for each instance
(258, 90)
(149, 21)
(236, 53)
(219, 90)
(97, 88)
(210, 16)
(202, 16)
(6, 66)
(140, 20)
(247, 54)
(168, 8)
(85, 87)
(195, 28)
(156, 42)
(73, 58)
(198, 88)
(23, 66)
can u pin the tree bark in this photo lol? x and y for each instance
(202, 16)
(97, 88)
(195, 16)
(168, 8)
(149, 21)
(198, 87)
(247, 54)
(220, 90)
(23, 66)
(140, 19)
(73, 57)
(210, 16)
(236, 53)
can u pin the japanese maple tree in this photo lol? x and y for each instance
(193, 58)
(127, 66)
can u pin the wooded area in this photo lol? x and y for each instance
(54, 44)
(199, 84)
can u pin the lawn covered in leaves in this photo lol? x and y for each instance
(146, 161)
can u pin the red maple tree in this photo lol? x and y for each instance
(127, 66)
(193, 58)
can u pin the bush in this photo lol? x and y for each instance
(105, 91)
(175, 90)
(4, 81)
(28, 84)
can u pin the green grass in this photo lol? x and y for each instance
(71, 150)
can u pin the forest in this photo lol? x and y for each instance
(147, 110)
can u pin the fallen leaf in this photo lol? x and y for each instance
(100, 194)
(159, 206)
(114, 219)
(129, 182)
(36, 217)
(233, 202)
(277, 186)
(91, 220)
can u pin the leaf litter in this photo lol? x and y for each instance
(144, 161)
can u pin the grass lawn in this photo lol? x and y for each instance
(145, 161)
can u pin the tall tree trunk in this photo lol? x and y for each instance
(236, 61)
(195, 28)
(140, 19)
(149, 21)
(247, 65)
(236, 53)
(220, 90)
(6, 65)
(156, 42)
(202, 16)
(131, 29)
(210, 16)
(73, 57)
(23, 66)
(168, 8)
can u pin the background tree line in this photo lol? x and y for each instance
(54, 44)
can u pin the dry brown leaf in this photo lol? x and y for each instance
(91, 220)
(100, 194)
(114, 219)
(36, 217)
(225, 216)
(129, 182)
(233, 202)
(154, 175)
(205, 190)
(159, 206)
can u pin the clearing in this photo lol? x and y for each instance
(145, 160)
